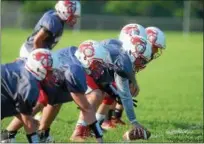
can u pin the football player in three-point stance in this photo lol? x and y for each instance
(72, 64)
(124, 65)
(130, 29)
(157, 39)
(20, 88)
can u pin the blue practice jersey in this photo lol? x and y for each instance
(69, 71)
(121, 60)
(19, 87)
(123, 74)
(51, 23)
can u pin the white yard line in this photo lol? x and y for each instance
(179, 131)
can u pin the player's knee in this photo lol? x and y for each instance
(95, 97)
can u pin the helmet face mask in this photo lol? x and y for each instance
(156, 52)
(97, 69)
(140, 63)
(94, 57)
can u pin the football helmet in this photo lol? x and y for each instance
(138, 49)
(132, 29)
(94, 57)
(39, 63)
(68, 10)
(157, 38)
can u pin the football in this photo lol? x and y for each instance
(133, 135)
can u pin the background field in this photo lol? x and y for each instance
(171, 97)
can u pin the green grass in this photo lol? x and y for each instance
(171, 96)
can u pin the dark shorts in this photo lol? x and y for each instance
(8, 108)
(53, 95)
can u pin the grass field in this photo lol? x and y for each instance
(171, 96)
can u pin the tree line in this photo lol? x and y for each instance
(153, 8)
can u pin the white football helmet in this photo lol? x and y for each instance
(93, 56)
(157, 38)
(39, 63)
(138, 49)
(68, 10)
(132, 29)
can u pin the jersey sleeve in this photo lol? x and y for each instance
(51, 25)
(123, 66)
(123, 89)
(75, 79)
(27, 95)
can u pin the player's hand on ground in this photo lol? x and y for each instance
(137, 132)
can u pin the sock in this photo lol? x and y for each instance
(118, 113)
(110, 113)
(12, 134)
(81, 122)
(100, 118)
(44, 133)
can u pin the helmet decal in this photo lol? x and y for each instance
(140, 45)
(71, 6)
(46, 60)
(152, 35)
(87, 49)
(131, 30)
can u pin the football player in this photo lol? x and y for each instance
(92, 60)
(49, 28)
(116, 108)
(121, 72)
(20, 89)
(158, 41)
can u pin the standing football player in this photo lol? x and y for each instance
(20, 89)
(49, 28)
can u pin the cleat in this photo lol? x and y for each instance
(106, 125)
(80, 133)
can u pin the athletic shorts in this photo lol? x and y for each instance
(53, 95)
(92, 85)
(7, 107)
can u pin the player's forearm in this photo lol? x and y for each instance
(126, 97)
(129, 110)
